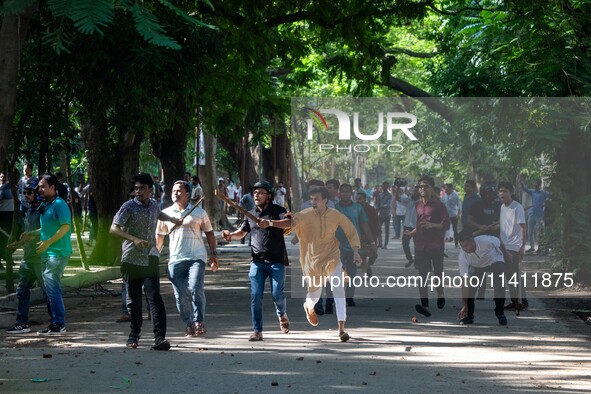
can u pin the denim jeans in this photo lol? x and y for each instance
(28, 274)
(53, 269)
(259, 272)
(188, 283)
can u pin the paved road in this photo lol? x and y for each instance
(387, 353)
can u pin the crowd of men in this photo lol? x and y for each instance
(340, 228)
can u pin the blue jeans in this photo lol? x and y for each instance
(28, 274)
(259, 272)
(187, 278)
(53, 269)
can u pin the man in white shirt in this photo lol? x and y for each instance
(186, 266)
(280, 193)
(478, 256)
(452, 203)
(513, 235)
(231, 193)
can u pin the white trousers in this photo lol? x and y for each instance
(338, 291)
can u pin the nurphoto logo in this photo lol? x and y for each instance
(395, 122)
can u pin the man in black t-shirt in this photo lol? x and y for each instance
(269, 256)
(484, 218)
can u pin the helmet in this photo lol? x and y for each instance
(488, 191)
(263, 185)
(31, 184)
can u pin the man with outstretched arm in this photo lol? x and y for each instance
(186, 264)
(136, 222)
(269, 256)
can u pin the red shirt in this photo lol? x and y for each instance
(434, 211)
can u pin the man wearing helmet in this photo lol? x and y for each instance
(269, 256)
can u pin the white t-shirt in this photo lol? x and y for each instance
(231, 190)
(488, 251)
(186, 242)
(512, 217)
(280, 196)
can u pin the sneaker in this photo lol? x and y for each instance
(190, 331)
(53, 329)
(284, 324)
(311, 316)
(502, 319)
(344, 337)
(530, 251)
(410, 262)
(466, 320)
(161, 344)
(19, 329)
(255, 336)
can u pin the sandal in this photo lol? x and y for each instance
(256, 336)
(132, 342)
(200, 329)
(284, 323)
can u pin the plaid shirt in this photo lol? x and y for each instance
(140, 221)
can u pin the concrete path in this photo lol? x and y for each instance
(538, 351)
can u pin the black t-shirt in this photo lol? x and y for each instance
(486, 213)
(266, 244)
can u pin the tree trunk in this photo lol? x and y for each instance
(275, 160)
(209, 180)
(13, 33)
(242, 154)
(571, 187)
(110, 171)
(169, 147)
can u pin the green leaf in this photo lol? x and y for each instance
(188, 18)
(149, 28)
(90, 16)
(60, 8)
